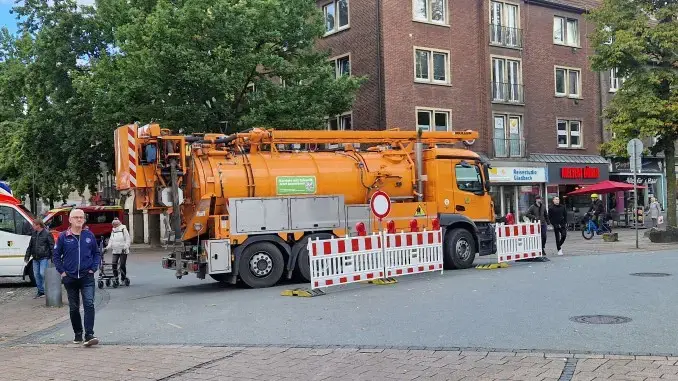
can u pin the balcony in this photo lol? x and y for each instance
(506, 36)
(509, 147)
(507, 92)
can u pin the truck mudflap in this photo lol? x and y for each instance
(487, 239)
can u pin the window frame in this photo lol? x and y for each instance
(568, 133)
(431, 71)
(335, 61)
(479, 173)
(567, 93)
(507, 116)
(506, 59)
(432, 113)
(565, 28)
(502, 21)
(17, 218)
(615, 81)
(339, 119)
(429, 18)
(337, 28)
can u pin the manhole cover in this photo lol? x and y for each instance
(600, 319)
(651, 275)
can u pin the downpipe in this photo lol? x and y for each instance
(418, 157)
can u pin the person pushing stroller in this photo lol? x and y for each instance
(119, 244)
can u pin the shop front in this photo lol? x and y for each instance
(564, 178)
(650, 176)
(514, 188)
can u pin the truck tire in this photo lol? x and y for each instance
(261, 265)
(303, 266)
(459, 249)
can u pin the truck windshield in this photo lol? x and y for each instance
(469, 178)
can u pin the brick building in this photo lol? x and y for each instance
(514, 70)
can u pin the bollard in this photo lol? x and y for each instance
(52, 287)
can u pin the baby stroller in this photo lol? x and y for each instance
(106, 271)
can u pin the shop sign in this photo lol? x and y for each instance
(640, 179)
(649, 165)
(517, 175)
(579, 173)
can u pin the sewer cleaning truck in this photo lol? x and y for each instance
(244, 205)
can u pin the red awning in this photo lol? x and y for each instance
(606, 186)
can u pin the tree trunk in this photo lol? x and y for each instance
(670, 154)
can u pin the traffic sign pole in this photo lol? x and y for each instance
(635, 194)
(634, 148)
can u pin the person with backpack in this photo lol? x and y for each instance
(119, 244)
(538, 213)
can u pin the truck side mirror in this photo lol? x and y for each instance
(486, 175)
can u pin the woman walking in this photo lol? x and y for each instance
(655, 211)
(119, 245)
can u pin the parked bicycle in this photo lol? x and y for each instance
(590, 228)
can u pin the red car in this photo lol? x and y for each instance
(98, 219)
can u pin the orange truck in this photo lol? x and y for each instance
(245, 205)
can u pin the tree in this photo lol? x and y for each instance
(639, 38)
(216, 65)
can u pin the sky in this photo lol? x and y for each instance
(9, 20)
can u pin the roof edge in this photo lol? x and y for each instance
(550, 4)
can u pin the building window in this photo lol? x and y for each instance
(336, 16)
(504, 24)
(433, 11)
(568, 82)
(615, 80)
(431, 66)
(610, 39)
(569, 134)
(342, 122)
(433, 120)
(508, 136)
(506, 80)
(342, 66)
(565, 31)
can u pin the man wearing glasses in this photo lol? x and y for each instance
(76, 258)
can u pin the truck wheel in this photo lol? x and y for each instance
(261, 265)
(303, 264)
(459, 250)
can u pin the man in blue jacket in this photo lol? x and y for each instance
(76, 258)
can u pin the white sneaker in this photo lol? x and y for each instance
(560, 252)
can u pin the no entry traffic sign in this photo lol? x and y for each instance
(380, 204)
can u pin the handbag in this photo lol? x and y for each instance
(660, 219)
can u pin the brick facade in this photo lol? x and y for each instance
(382, 38)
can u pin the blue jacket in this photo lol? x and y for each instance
(76, 256)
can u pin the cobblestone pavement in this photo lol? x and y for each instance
(108, 362)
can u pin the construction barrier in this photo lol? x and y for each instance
(346, 260)
(516, 242)
(336, 261)
(413, 253)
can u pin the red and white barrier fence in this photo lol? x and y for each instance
(347, 260)
(413, 253)
(516, 242)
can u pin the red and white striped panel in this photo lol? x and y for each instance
(337, 261)
(413, 253)
(521, 241)
(132, 153)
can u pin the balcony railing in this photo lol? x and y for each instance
(507, 92)
(506, 36)
(509, 147)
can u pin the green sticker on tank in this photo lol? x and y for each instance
(287, 185)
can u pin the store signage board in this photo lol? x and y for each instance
(517, 175)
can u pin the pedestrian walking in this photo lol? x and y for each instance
(655, 210)
(77, 258)
(538, 213)
(40, 248)
(118, 244)
(558, 218)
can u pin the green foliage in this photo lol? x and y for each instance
(644, 49)
(72, 74)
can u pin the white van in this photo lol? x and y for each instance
(15, 235)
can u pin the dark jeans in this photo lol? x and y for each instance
(561, 234)
(122, 258)
(544, 229)
(85, 287)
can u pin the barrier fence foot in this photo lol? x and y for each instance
(384, 281)
(302, 292)
(493, 266)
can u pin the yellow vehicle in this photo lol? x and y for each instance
(246, 204)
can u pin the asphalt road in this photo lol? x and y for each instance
(527, 306)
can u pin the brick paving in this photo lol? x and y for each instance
(117, 362)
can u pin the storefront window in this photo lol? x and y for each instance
(527, 197)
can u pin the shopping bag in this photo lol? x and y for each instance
(660, 220)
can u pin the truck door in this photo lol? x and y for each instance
(14, 239)
(469, 198)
